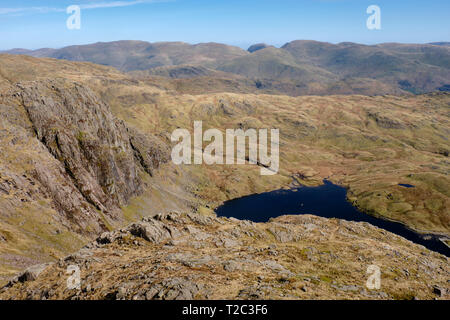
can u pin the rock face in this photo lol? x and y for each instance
(100, 155)
(179, 256)
(149, 151)
(79, 130)
(67, 165)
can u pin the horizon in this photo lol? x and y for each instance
(206, 42)
(42, 24)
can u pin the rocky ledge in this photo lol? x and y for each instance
(192, 256)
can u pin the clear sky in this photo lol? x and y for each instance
(35, 24)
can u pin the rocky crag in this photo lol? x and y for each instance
(193, 256)
(67, 164)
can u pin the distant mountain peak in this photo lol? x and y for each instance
(257, 46)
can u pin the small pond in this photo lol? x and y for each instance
(406, 185)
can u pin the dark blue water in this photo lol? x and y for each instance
(406, 185)
(328, 200)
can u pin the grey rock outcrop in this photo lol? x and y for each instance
(79, 130)
(81, 157)
(157, 259)
(30, 274)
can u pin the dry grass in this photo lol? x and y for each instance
(368, 144)
(318, 258)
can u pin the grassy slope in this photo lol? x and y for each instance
(334, 137)
(366, 143)
(369, 144)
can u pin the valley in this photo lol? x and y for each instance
(86, 152)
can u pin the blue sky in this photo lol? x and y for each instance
(35, 24)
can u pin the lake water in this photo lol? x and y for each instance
(328, 200)
(406, 185)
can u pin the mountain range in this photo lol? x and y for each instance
(297, 68)
(86, 177)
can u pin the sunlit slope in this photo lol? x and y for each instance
(369, 144)
(299, 67)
